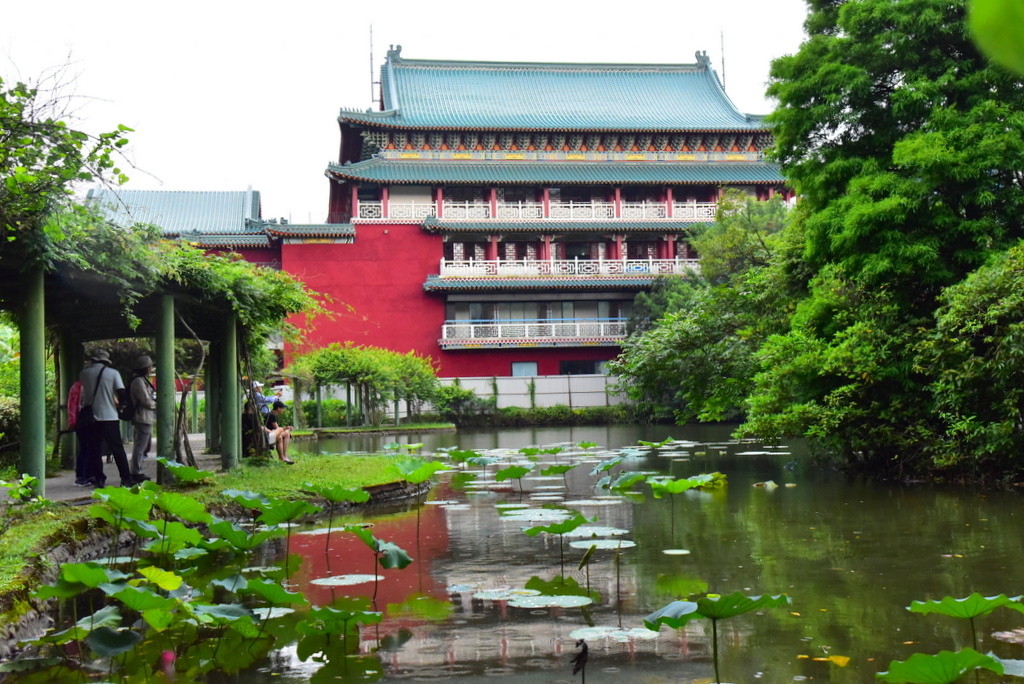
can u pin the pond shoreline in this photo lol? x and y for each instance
(84, 542)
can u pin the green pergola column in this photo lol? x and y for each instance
(70, 359)
(230, 406)
(166, 407)
(211, 390)
(32, 460)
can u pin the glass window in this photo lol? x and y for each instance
(524, 368)
(577, 367)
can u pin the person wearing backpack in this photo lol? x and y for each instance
(97, 419)
(142, 396)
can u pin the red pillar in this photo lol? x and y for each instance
(618, 202)
(492, 248)
(494, 202)
(545, 199)
(668, 202)
(439, 201)
(355, 200)
(384, 201)
(618, 247)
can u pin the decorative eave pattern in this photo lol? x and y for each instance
(550, 226)
(228, 241)
(560, 173)
(311, 230)
(439, 95)
(566, 284)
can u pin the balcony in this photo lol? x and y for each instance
(375, 210)
(593, 332)
(587, 268)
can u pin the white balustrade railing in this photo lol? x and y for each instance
(374, 209)
(694, 211)
(521, 210)
(644, 210)
(466, 210)
(534, 331)
(681, 211)
(591, 268)
(582, 210)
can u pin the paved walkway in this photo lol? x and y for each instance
(62, 486)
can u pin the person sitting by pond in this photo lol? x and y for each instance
(254, 433)
(279, 437)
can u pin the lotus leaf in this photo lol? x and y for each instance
(106, 642)
(184, 473)
(969, 607)
(944, 667)
(181, 506)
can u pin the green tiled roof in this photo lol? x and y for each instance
(562, 284)
(432, 94)
(179, 213)
(556, 173)
(443, 225)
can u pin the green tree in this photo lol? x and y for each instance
(976, 357)
(741, 236)
(41, 157)
(690, 355)
(907, 149)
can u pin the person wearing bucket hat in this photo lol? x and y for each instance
(98, 415)
(143, 396)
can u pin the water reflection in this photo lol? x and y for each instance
(851, 555)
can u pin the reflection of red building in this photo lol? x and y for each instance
(425, 541)
(499, 217)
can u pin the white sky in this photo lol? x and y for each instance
(225, 94)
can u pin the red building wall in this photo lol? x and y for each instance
(379, 301)
(498, 362)
(377, 285)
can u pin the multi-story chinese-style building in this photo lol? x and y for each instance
(500, 216)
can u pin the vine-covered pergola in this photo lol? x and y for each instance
(70, 307)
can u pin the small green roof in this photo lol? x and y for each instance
(181, 212)
(561, 284)
(443, 225)
(555, 173)
(439, 94)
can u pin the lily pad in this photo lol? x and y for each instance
(611, 544)
(504, 594)
(614, 633)
(270, 612)
(550, 601)
(596, 531)
(344, 580)
(608, 501)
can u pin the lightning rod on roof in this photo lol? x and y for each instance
(373, 96)
(722, 39)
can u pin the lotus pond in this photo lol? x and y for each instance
(519, 553)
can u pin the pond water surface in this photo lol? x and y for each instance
(851, 555)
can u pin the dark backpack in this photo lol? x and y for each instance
(125, 405)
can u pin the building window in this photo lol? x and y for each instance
(524, 368)
(578, 367)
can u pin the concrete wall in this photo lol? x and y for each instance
(574, 391)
